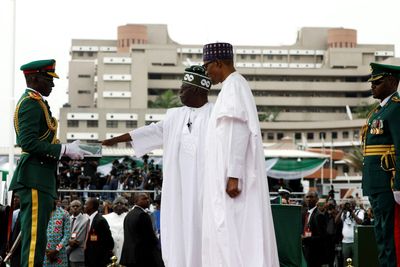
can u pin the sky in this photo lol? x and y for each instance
(44, 29)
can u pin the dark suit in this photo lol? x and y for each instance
(314, 247)
(99, 243)
(4, 220)
(140, 247)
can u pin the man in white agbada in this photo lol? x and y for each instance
(115, 220)
(181, 135)
(238, 229)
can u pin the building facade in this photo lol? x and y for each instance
(308, 91)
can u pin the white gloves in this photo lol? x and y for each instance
(73, 151)
(396, 195)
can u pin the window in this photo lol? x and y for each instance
(334, 135)
(270, 57)
(296, 57)
(73, 123)
(90, 54)
(253, 56)
(80, 54)
(345, 169)
(322, 135)
(310, 136)
(131, 124)
(270, 136)
(279, 136)
(83, 75)
(92, 124)
(297, 136)
(345, 135)
(84, 92)
(112, 124)
(356, 134)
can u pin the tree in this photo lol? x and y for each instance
(168, 99)
(354, 158)
(364, 109)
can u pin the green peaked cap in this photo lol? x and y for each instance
(382, 70)
(47, 66)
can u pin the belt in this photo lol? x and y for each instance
(379, 150)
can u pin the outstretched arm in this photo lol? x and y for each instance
(118, 139)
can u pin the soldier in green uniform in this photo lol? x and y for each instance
(381, 146)
(34, 179)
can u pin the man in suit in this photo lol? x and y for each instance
(314, 234)
(99, 242)
(140, 247)
(34, 179)
(79, 227)
(4, 226)
(381, 146)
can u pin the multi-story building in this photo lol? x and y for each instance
(308, 91)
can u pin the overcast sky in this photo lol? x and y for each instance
(44, 29)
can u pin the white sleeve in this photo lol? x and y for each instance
(238, 134)
(147, 138)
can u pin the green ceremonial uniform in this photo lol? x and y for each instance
(34, 179)
(381, 143)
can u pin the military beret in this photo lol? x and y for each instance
(47, 66)
(196, 75)
(382, 70)
(216, 51)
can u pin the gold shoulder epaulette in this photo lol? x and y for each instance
(34, 96)
(396, 99)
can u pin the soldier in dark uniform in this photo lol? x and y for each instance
(381, 146)
(34, 179)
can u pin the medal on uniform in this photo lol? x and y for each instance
(93, 237)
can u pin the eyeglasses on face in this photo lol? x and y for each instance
(205, 65)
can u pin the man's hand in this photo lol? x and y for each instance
(73, 243)
(108, 142)
(396, 195)
(52, 255)
(232, 187)
(73, 151)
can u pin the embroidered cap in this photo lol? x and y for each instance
(47, 66)
(381, 70)
(196, 75)
(216, 51)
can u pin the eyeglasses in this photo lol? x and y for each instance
(205, 65)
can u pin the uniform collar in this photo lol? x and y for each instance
(384, 101)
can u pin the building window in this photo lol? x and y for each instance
(242, 56)
(92, 124)
(253, 56)
(270, 57)
(322, 135)
(334, 135)
(73, 123)
(345, 135)
(90, 54)
(297, 136)
(112, 124)
(80, 54)
(310, 136)
(345, 169)
(279, 136)
(356, 134)
(131, 124)
(296, 57)
(88, 92)
(270, 136)
(83, 75)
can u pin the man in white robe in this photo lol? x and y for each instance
(238, 229)
(181, 135)
(115, 220)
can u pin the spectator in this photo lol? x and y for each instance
(314, 232)
(140, 247)
(115, 220)
(58, 234)
(99, 242)
(350, 218)
(79, 227)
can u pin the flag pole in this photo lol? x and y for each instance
(12, 85)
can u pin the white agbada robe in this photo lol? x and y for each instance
(237, 232)
(116, 223)
(183, 172)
